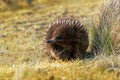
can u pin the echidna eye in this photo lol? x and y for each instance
(58, 47)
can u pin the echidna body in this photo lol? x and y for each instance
(67, 39)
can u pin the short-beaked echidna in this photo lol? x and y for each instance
(67, 39)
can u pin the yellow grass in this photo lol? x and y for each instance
(22, 32)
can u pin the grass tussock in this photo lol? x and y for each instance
(107, 35)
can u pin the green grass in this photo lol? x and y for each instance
(22, 31)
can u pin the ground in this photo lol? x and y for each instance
(22, 33)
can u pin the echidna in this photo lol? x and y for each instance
(67, 39)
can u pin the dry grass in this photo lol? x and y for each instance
(22, 32)
(97, 69)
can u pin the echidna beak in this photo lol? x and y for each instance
(51, 41)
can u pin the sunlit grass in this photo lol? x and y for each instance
(84, 69)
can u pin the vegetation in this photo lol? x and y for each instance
(106, 39)
(23, 26)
